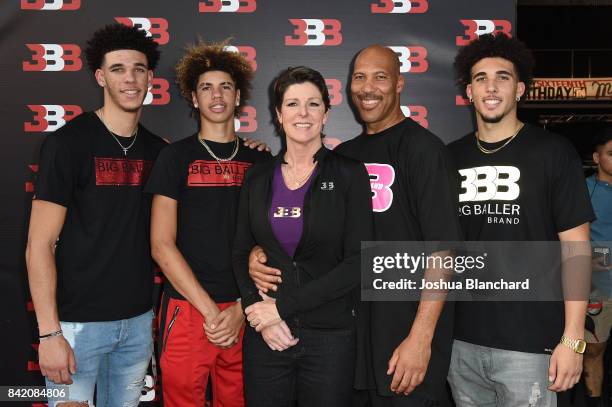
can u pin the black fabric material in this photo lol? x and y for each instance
(553, 198)
(103, 257)
(319, 282)
(207, 207)
(424, 207)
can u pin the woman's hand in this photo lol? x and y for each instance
(263, 313)
(279, 337)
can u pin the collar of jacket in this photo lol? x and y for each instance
(318, 157)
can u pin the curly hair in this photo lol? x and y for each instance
(494, 46)
(201, 57)
(113, 37)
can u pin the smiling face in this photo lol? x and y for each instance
(603, 158)
(125, 77)
(216, 97)
(494, 88)
(376, 85)
(302, 113)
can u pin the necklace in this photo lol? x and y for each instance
(296, 182)
(220, 159)
(484, 150)
(134, 134)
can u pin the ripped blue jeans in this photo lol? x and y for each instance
(489, 377)
(112, 355)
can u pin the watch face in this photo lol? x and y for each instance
(580, 346)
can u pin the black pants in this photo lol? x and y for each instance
(318, 371)
(371, 398)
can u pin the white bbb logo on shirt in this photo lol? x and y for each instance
(490, 183)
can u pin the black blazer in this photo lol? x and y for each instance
(319, 284)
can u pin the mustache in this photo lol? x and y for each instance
(369, 96)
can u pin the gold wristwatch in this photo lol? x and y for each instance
(577, 345)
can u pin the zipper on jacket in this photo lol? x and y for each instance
(170, 325)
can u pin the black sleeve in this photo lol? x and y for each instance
(56, 175)
(570, 197)
(435, 188)
(358, 227)
(167, 174)
(243, 243)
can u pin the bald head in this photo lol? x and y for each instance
(384, 55)
(376, 85)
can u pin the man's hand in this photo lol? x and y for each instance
(224, 329)
(278, 336)
(265, 278)
(598, 266)
(56, 359)
(409, 364)
(262, 314)
(258, 144)
(564, 369)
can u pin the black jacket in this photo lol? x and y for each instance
(320, 282)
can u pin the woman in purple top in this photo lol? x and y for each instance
(309, 210)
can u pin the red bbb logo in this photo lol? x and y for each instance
(50, 117)
(334, 88)
(412, 59)
(53, 58)
(227, 6)
(314, 32)
(476, 28)
(399, 6)
(51, 5)
(249, 53)
(247, 122)
(158, 94)
(416, 113)
(157, 28)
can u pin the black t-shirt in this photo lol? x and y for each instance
(104, 267)
(414, 189)
(207, 194)
(539, 177)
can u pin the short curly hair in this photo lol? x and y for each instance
(494, 46)
(113, 37)
(202, 57)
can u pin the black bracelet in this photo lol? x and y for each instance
(56, 333)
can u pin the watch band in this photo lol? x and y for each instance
(577, 345)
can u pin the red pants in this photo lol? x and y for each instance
(188, 358)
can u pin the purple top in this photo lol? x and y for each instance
(286, 211)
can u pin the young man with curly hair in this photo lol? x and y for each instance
(515, 353)
(196, 184)
(88, 256)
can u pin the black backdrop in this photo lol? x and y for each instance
(44, 82)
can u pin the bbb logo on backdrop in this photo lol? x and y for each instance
(334, 88)
(51, 5)
(399, 6)
(412, 59)
(416, 113)
(227, 6)
(50, 117)
(247, 122)
(157, 28)
(476, 28)
(158, 93)
(314, 32)
(53, 58)
(249, 53)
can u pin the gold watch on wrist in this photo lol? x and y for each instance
(577, 345)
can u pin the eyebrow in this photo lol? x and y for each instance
(120, 64)
(500, 72)
(211, 84)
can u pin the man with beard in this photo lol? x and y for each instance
(515, 353)
(88, 258)
(396, 365)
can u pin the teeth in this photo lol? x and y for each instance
(492, 102)
(130, 92)
(302, 125)
(369, 101)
